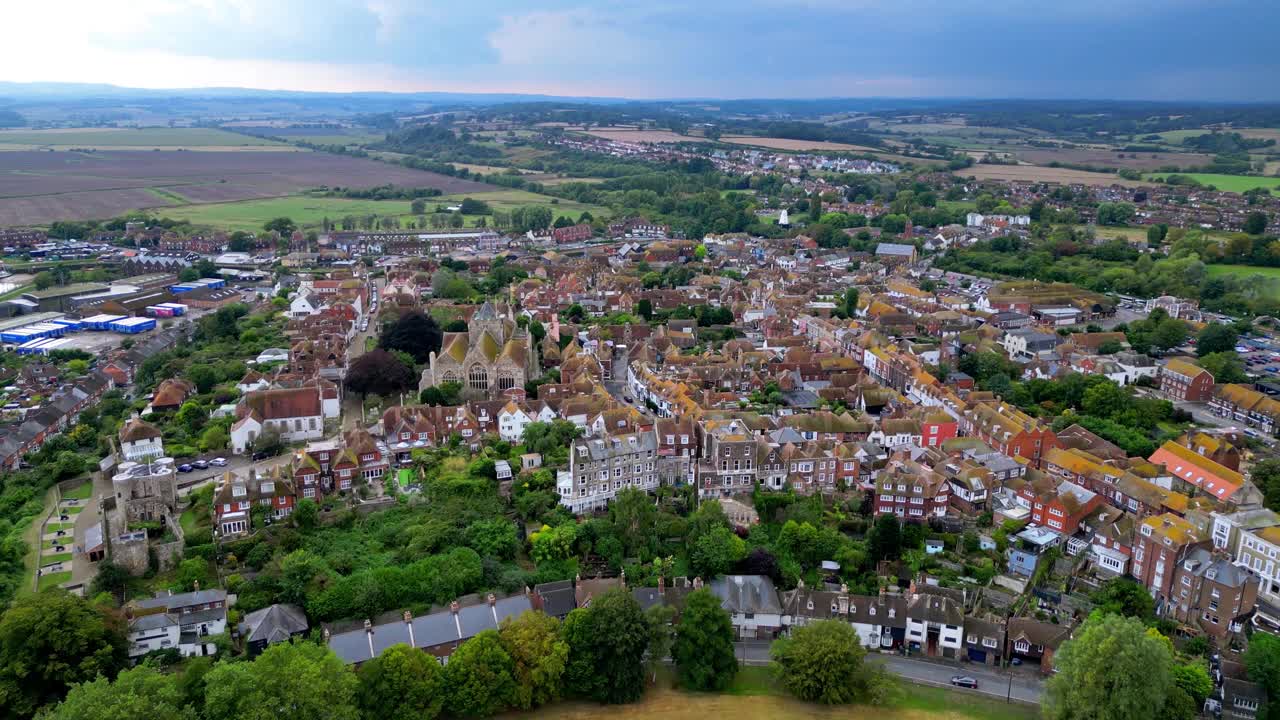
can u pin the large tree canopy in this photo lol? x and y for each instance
(607, 641)
(288, 681)
(414, 333)
(51, 641)
(403, 683)
(825, 662)
(704, 644)
(379, 372)
(1111, 670)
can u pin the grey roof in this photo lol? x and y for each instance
(198, 597)
(937, 609)
(558, 598)
(273, 624)
(1216, 569)
(153, 621)
(885, 248)
(443, 627)
(616, 445)
(747, 594)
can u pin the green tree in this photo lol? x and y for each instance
(607, 641)
(700, 252)
(1216, 337)
(414, 333)
(1194, 679)
(661, 636)
(1126, 597)
(1255, 223)
(44, 280)
(403, 683)
(51, 641)
(1111, 670)
(1225, 367)
(632, 516)
(539, 656)
(704, 652)
(1262, 661)
(479, 680)
(825, 662)
(142, 692)
(886, 538)
(717, 552)
(282, 225)
(1169, 333)
(288, 681)
(644, 308)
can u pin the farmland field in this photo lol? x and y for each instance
(40, 187)
(1108, 158)
(309, 211)
(1261, 133)
(795, 145)
(1268, 278)
(1035, 173)
(205, 139)
(1230, 183)
(647, 136)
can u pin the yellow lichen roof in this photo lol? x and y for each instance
(488, 346)
(1176, 529)
(457, 348)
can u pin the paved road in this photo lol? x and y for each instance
(1025, 687)
(351, 402)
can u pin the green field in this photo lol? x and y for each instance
(1228, 183)
(54, 579)
(310, 211)
(133, 138)
(754, 696)
(354, 138)
(79, 492)
(1270, 276)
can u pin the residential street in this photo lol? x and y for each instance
(1026, 686)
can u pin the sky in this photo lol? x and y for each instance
(1098, 49)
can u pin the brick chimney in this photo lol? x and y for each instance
(408, 616)
(368, 625)
(492, 599)
(454, 607)
(662, 585)
(196, 585)
(327, 635)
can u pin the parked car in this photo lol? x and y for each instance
(218, 462)
(260, 455)
(964, 681)
(200, 464)
(185, 468)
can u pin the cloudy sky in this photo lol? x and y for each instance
(1156, 49)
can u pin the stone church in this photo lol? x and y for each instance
(492, 356)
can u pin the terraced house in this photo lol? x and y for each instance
(1009, 430)
(600, 467)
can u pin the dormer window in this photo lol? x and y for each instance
(239, 491)
(268, 487)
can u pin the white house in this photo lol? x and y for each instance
(304, 305)
(140, 440)
(874, 618)
(935, 623)
(253, 381)
(752, 603)
(512, 420)
(296, 413)
(186, 621)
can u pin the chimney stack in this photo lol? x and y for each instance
(327, 635)
(454, 607)
(368, 625)
(196, 584)
(408, 616)
(661, 584)
(493, 600)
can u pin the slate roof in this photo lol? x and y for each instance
(747, 594)
(273, 624)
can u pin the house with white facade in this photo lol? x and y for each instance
(935, 622)
(186, 622)
(140, 441)
(296, 413)
(752, 603)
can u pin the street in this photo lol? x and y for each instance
(1026, 685)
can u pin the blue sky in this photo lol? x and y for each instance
(1151, 49)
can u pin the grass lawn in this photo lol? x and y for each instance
(187, 520)
(132, 138)
(79, 492)
(1229, 183)
(754, 697)
(58, 558)
(31, 536)
(1269, 276)
(508, 200)
(54, 579)
(310, 211)
(55, 527)
(72, 509)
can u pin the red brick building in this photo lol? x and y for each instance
(937, 428)
(1182, 380)
(573, 233)
(911, 491)
(1009, 430)
(1059, 505)
(1161, 543)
